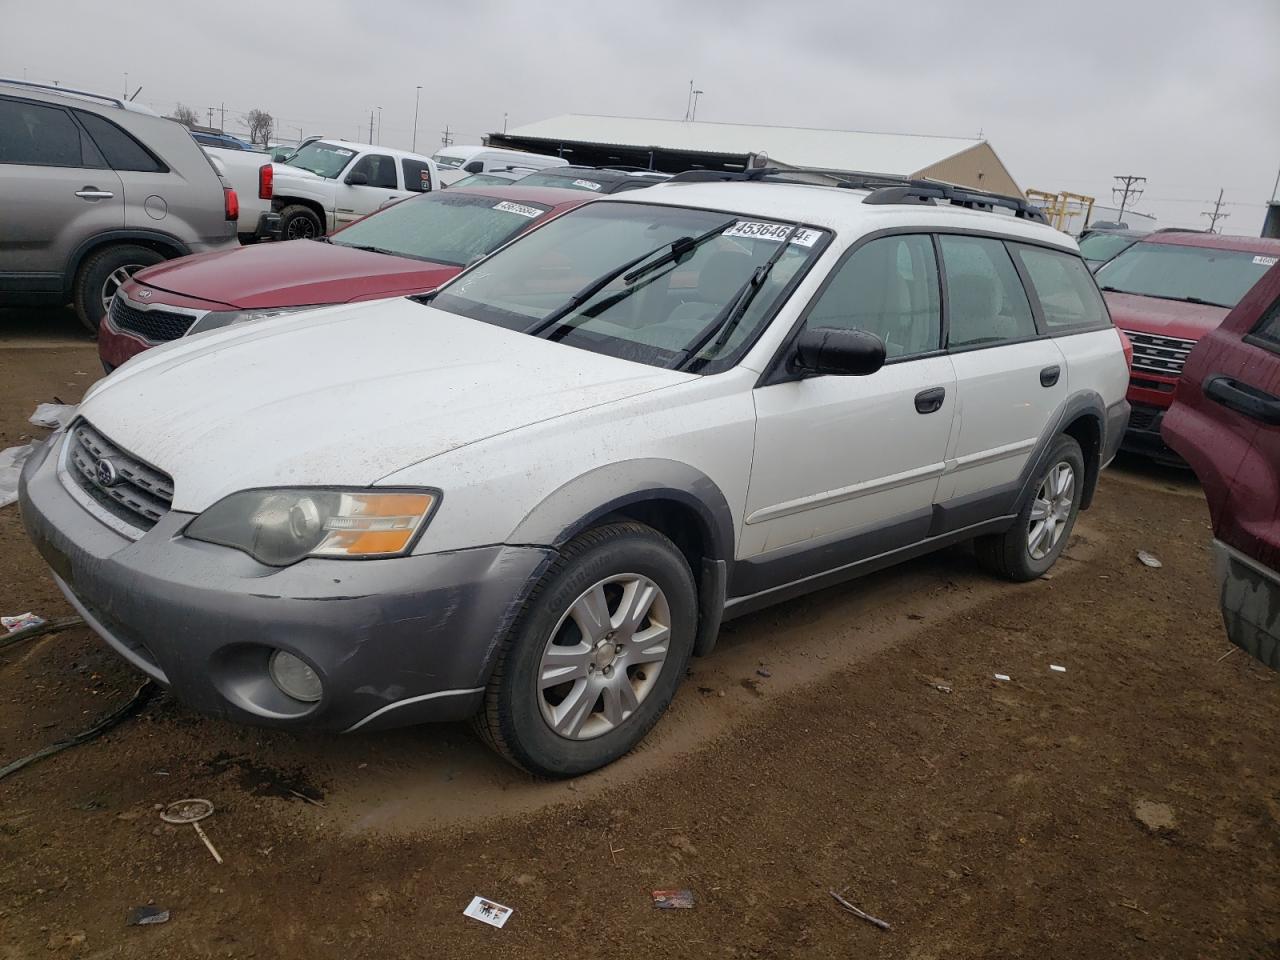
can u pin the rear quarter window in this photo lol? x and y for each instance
(417, 175)
(1068, 295)
(122, 151)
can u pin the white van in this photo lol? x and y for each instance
(457, 162)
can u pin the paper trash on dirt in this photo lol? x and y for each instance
(1149, 560)
(486, 911)
(1057, 669)
(53, 415)
(23, 621)
(673, 899)
(11, 461)
(142, 916)
(1001, 676)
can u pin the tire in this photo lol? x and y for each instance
(299, 222)
(597, 721)
(1025, 552)
(100, 275)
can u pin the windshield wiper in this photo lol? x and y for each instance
(727, 320)
(368, 249)
(680, 248)
(1200, 301)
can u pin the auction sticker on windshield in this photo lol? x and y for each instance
(1266, 261)
(759, 230)
(506, 206)
(586, 184)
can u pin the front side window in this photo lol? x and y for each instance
(324, 159)
(1268, 329)
(122, 151)
(444, 227)
(38, 135)
(1069, 298)
(666, 286)
(985, 300)
(379, 170)
(888, 287)
(1178, 272)
(417, 175)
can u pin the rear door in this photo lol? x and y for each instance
(1010, 380)
(55, 191)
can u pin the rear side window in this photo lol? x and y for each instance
(985, 300)
(417, 175)
(43, 136)
(888, 287)
(121, 150)
(1068, 296)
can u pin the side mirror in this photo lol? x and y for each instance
(357, 180)
(847, 353)
(475, 166)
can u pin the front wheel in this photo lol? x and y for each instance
(102, 275)
(1037, 538)
(596, 655)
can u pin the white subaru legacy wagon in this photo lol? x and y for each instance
(530, 497)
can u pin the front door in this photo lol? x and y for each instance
(370, 183)
(848, 466)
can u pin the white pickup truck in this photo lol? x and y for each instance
(329, 183)
(251, 174)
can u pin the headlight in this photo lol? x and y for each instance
(229, 318)
(280, 527)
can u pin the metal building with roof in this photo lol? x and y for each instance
(673, 146)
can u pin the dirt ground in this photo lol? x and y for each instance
(854, 740)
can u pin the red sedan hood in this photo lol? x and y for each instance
(295, 274)
(1166, 318)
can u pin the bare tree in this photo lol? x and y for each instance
(185, 115)
(261, 125)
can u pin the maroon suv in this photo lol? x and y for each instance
(1225, 420)
(410, 247)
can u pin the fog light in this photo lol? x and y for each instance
(294, 677)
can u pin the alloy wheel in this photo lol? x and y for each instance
(115, 280)
(1051, 510)
(301, 228)
(604, 656)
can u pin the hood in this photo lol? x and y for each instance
(343, 396)
(294, 274)
(287, 170)
(1165, 318)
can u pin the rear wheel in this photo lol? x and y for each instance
(102, 275)
(596, 656)
(299, 222)
(1037, 538)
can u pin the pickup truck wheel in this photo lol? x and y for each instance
(298, 222)
(596, 654)
(100, 276)
(1037, 538)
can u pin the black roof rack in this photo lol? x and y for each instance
(885, 189)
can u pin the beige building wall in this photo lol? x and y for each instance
(976, 167)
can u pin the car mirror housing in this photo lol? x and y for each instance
(357, 180)
(848, 353)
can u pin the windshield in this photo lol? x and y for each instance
(448, 162)
(326, 159)
(1194, 274)
(574, 181)
(1104, 246)
(662, 314)
(441, 227)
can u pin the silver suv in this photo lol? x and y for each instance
(94, 188)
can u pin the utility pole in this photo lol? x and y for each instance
(1127, 187)
(446, 140)
(222, 123)
(1215, 216)
(379, 126)
(371, 126)
(126, 82)
(416, 98)
(504, 123)
(211, 116)
(693, 114)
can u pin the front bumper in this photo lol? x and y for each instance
(1143, 435)
(395, 642)
(1249, 595)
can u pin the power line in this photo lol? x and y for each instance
(1215, 216)
(1127, 186)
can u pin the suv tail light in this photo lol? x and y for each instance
(230, 203)
(1127, 344)
(266, 181)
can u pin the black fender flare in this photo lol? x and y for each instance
(1086, 403)
(86, 247)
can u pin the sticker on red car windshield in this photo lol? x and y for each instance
(586, 184)
(506, 206)
(777, 232)
(1266, 261)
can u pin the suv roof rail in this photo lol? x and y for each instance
(116, 101)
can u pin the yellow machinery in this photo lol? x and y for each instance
(1062, 209)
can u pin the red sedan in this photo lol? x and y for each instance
(410, 247)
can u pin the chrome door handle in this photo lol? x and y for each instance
(93, 193)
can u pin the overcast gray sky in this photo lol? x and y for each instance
(1069, 94)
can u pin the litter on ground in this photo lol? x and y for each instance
(673, 899)
(486, 911)
(1149, 560)
(53, 415)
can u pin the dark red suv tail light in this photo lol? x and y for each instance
(230, 203)
(266, 181)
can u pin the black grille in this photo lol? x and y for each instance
(140, 494)
(1146, 419)
(1163, 355)
(157, 326)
